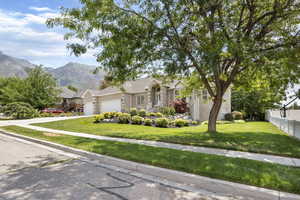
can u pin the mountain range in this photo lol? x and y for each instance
(78, 75)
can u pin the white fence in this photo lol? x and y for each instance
(289, 125)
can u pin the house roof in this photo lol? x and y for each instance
(136, 86)
(67, 93)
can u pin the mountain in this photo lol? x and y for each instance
(10, 66)
(78, 75)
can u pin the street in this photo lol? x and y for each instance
(32, 172)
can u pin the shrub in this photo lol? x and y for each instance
(99, 118)
(124, 118)
(228, 117)
(44, 114)
(133, 111)
(161, 122)
(137, 120)
(218, 122)
(239, 121)
(19, 110)
(152, 114)
(109, 115)
(158, 114)
(117, 114)
(168, 111)
(237, 115)
(148, 122)
(180, 122)
(195, 123)
(180, 106)
(142, 113)
(172, 122)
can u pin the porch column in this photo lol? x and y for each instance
(148, 99)
(123, 106)
(96, 104)
(163, 96)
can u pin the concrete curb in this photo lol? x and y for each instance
(225, 188)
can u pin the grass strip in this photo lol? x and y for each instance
(258, 137)
(261, 174)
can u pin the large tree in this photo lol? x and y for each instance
(219, 40)
(39, 89)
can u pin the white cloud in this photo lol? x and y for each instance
(40, 9)
(25, 35)
(19, 24)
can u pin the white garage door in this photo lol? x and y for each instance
(88, 108)
(111, 105)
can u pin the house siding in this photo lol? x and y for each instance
(134, 100)
(200, 108)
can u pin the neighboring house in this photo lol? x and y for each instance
(70, 100)
(149, 94)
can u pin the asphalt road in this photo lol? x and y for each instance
(32, 172)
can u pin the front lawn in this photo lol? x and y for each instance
(245, 171)
(260, 137)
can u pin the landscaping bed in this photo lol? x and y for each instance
(261, 174)
(259, 137)
(142, 117)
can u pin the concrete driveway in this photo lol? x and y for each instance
(31, 171)
(36, 120)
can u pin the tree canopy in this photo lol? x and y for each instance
(220, 41)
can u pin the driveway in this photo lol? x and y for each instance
(36, 120)
(31, 171)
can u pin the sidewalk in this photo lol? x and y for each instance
(229, 153)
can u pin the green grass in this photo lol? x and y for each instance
(259, 137)
(245, 171)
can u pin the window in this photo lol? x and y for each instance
(140, 100)
(204, 95)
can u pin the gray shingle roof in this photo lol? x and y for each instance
(136, 86)
(66, 93)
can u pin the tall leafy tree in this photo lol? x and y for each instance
(40, 89)
(218, 40)
(11, 90)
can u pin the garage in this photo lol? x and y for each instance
(88, 108)
(111, 103)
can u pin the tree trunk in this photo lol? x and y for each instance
(213, 115)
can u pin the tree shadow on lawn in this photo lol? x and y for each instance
(231, 169)
(259, 142)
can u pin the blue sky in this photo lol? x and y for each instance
(23, 32)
